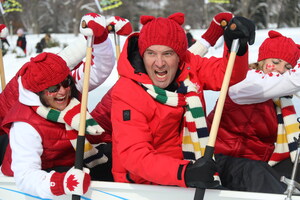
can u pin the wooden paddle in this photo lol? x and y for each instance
(83, 108)
(111, 28)
(209, 149)
(2, 74)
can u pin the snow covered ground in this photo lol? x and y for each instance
(13, 64)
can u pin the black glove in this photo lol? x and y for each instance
(200, 174)
(240, 28)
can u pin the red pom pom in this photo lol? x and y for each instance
(39, 58)
(177, 17)
(274, 34)
(145, 19)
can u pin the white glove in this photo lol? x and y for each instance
(74, 181)
(95, 26)
(120, 25)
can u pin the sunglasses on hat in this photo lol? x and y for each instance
(65, 83)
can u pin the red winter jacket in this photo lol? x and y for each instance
(8, 98)
(246, 131)
(57, 149)
(147, 135)
(102, 113)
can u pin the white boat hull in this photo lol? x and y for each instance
(101, 190)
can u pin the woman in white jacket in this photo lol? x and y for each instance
(42, 144)
(259, 122)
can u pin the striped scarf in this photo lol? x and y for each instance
(195, 133)
(70, 116)
(288, 129)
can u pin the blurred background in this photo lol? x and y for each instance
(56, 16)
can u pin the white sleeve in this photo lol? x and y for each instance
(103, 62)
(200, 47)
(258, 87)
(27, 149)
(75, 52)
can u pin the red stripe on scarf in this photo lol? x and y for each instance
(288, 110)
(280, 156)
(189, 94)
(71, 113)
(181, 100)
(191, 126)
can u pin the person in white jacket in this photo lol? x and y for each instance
(43, 124)
(255, 144)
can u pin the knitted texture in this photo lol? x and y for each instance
(43, 71)
(279, 46)
(96, 26)
(195, 133)
(215, 29)
(70, 116)
(74, 181)
(163, 31)
(120, 25)
(288, 129)
(56, 183)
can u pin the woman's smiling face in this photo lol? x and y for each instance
(58, 96)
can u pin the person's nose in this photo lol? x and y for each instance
(159, 61)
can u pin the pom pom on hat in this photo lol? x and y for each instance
(281, 47)
(163, 31)
(43, 71)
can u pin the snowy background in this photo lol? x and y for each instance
(12, 64)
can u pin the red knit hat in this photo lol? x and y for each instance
(43, 71)
(279, 46)
(163, 31)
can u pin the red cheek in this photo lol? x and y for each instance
(269, 66)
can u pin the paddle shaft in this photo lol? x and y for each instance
(2, 74)
(209, 149)
(111, 28)
(117, 43)
(222, 97)
(82, 124)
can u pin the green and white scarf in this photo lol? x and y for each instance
(70, 116)
(195, 133)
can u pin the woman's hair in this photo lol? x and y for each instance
(257, 65)
(74, 91)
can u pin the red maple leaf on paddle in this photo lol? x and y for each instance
(72, 183)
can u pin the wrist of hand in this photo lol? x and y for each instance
(213, 33)
(56, 183)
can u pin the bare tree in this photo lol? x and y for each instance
(64, 16)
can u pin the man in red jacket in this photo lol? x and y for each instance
(158, 108)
